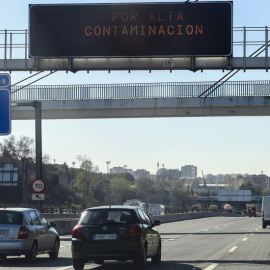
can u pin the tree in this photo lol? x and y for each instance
(13, 151)
(120, 189)
(20, 154)
(84, 181)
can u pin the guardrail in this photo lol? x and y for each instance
(139, 90)
(65, 223)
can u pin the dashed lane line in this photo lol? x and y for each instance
(212, 266)
(233, 249)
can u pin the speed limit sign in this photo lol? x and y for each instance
(38, 185)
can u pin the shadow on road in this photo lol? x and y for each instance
(20, 262)
(165, 265)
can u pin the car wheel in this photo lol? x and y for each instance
(55, 251)
(78, 264)
(264, 225)
(141, 259)
(99, 261)
(3, 257)
(156, 259)
(31, 256)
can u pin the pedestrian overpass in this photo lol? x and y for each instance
(197, 99)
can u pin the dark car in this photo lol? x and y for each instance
(115, 233)
(25, 231)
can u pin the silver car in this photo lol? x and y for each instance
(25, 231)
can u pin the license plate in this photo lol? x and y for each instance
(3, 234)
(104, 236)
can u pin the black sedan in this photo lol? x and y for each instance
(115, 233)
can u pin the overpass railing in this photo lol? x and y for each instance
(140, 90)
(14, 44)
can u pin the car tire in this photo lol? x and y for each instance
(156, 259)
(141, 260)
(99, 261)
(78, 264)
(55, 251)
(32, 255)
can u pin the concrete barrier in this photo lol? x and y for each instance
(66, 222)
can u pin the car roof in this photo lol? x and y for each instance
(17, 209)
(129, 207)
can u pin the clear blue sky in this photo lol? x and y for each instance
(215, 145)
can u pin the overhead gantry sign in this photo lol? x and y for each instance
(131, 30)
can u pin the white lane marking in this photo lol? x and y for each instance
(233, 249)
(244, 239)
(63, 268)
(191, 225)
(206, 230)
(212, 266)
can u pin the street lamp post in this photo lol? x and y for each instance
(108, 163)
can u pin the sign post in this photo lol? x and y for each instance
(5, 119)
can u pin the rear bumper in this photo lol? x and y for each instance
(112, 251)
(18, 247)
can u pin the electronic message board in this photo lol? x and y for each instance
(131, 30)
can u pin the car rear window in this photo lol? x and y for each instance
(108, 216)
(10, 217)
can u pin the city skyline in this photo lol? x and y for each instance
(223, 145)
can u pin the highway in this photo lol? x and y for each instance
(209, 243)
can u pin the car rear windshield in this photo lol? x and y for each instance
(101, 216)
(10, 217)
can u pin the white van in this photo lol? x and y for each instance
(265, 211)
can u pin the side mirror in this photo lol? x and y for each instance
(156, 222)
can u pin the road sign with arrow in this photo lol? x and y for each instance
(38, 197)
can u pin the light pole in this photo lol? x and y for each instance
(163, 172)
(108, 163)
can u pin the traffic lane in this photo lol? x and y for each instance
(252, 253)
(185, 246)
(205, 244)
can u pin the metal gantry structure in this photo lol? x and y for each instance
(250, 51)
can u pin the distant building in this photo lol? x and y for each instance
(139, 174)
(116, 170)
(189, 171)
(259, 180)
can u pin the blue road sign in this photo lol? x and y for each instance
(5, 81)
(5, 112)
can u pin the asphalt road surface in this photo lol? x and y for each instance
(220, 243)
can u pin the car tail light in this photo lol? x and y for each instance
(262, 213)
(23, 233)
(134, 230)
(77, 231)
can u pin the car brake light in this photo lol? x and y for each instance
(262, 213)
(77, 231)
(134, 230)
(23, 233)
